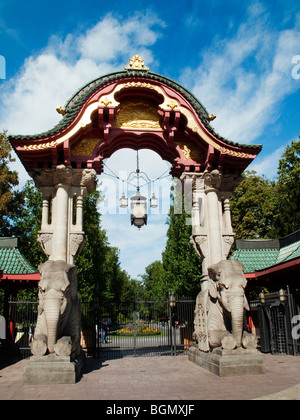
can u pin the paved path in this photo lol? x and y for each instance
(159, 378)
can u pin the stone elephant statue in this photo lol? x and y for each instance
(220, 309)
(58, 324)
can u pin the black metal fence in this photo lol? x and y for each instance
(278, 316)
(110, 329)
(22, 316)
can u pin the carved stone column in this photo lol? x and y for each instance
(212, 235)
(61, 237)
(212, 182)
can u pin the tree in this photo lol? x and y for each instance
(287, 216)
(181, 263)
(98, 266)
(28, 223)
(154, 281)
(253, 206)
(132, 289)
(11, 200)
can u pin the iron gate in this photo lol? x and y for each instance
(22, 316)
(137, 328)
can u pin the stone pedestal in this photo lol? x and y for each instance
(238, 362)
(53, 369)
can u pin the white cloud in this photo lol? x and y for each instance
(49, 78)
(243, 79)
(267, 165)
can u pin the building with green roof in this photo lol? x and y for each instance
(270, 263)
(15, 272)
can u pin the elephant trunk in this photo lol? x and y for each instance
(237, 317)
(52, 309)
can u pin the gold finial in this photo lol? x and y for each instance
(136, 63)
(61, 110)
(211, 117)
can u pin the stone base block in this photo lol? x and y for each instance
(52, 369)
(238, 362)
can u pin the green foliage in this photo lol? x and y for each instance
(98, 266)
(28, 223)
(181, 263)
(180, 269)
(252, 207)
(269, 209)
(287, 217)
(154, 281)
(132, 289)
(11, 200)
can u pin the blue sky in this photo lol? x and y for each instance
(240, 59)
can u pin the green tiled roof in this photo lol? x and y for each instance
(11, 259)
(255, 259)
(255, 254)
(289, 252)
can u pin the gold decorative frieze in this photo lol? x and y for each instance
(138, 85)
(41, 146)
(85, 147)
(137, 115)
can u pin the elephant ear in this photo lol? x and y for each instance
(214, 272)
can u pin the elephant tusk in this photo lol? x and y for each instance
(246, 304)
(223, 301)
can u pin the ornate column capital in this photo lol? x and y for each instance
(66, 176)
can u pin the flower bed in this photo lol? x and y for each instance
(141, 331)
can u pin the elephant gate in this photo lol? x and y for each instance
(136, 109)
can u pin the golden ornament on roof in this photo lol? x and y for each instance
(137, 63)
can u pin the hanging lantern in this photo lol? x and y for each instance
(138, 209)
(123, 202)
(153, 201)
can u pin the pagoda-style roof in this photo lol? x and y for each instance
(134, 108)
(265, 257)
(13, 265)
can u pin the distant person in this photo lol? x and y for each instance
(31, 332)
